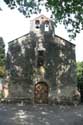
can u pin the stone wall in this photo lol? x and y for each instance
(60, 65)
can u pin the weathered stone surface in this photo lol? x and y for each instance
(60, 67)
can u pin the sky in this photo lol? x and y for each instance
(13, 25)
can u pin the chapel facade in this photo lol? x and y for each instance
(41, 65)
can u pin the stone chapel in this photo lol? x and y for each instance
(41, 65)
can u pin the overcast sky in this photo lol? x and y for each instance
(13, 25)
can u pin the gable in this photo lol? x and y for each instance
(63, 41)
(41, 17)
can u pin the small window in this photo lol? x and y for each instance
(47, 22)
(42, 17)
(40, 61)
(46, 25)
(37, 23)
(41, 53)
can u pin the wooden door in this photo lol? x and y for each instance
(41, 93)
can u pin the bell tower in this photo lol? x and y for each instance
(42, 24)
(41, 27)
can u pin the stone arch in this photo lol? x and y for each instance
(41, 91)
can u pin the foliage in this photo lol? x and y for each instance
(2, 71)
(68, 12)
(2, 52)
(80, 73)
(2, 58)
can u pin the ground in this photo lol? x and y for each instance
(11, 114)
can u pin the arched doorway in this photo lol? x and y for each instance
(41, 90)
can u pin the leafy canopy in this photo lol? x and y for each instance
(80, 74)
(79, 70)
(2, 58)
(68, 12)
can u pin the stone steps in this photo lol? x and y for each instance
(16, 100)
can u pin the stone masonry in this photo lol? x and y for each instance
(41, 56)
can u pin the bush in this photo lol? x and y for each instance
(2, 71)
(80, 75)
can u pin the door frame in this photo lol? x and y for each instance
(46, 84)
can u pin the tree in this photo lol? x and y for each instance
(68, 12)
(80, 74)
(80, 78)
(2, 58)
